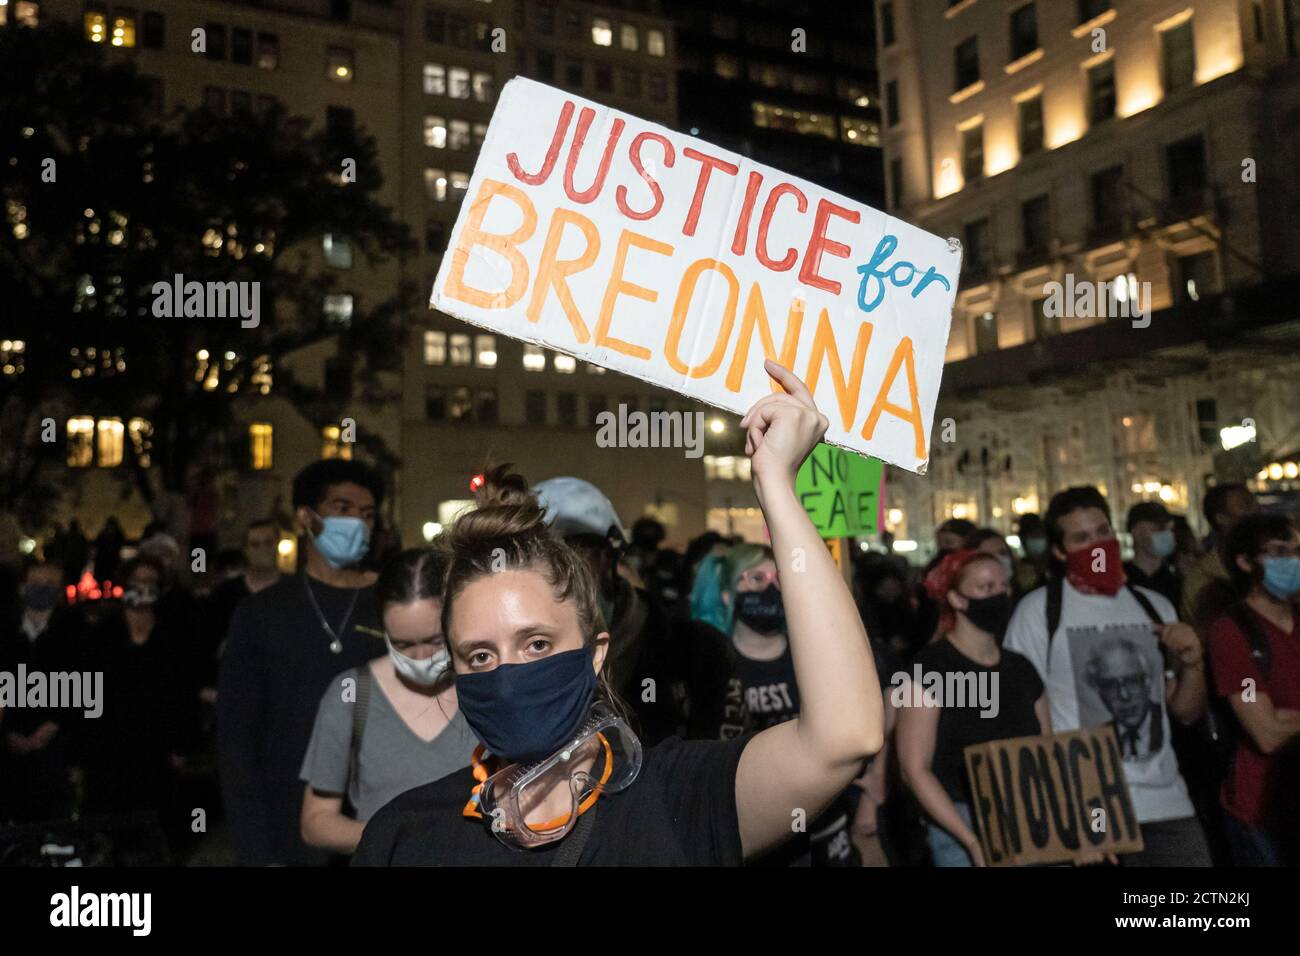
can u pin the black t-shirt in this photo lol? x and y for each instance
(276, 666)
(771, 694)
(1018, 687)
(1166, 581)
(680, 811)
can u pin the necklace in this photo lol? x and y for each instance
(336, 645)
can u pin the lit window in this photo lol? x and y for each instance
(480, 133)
(141, 432)
(123, 29)
(534, 358)
(81, 442)
(459, 138)
(435, 132)
(601, 32)
(484, 87)
(859, 132)
(565, 364)
(628, 38)
(11, 356)
(108, 444)
(768, 116)
(654, 43)
(339, 64)
(458, 83)
(435, 184)
(726, 66)
(27, 14)
(333, 445)
(435, 348)
(96, 25)
(435, 79)
(485, 351)
(595, 369)
(338, 309)
(338, 251)
(268, 51)
(459, 183)
(460, 350)
(260, 449)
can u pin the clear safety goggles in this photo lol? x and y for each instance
(519, 801)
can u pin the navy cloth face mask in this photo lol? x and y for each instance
(525, 712)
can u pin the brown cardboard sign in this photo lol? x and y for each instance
(1051, 799)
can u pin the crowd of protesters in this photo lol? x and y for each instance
(295, 706)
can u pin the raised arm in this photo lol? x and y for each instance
(803, 764)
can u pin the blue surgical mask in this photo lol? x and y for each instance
(342, 541)
(525, 712)
(1162, 543)
(1282, 576)
(1035, 547)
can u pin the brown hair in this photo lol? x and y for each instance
(508, 531)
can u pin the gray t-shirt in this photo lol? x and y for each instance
(392, 759)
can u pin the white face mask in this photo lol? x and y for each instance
(424, 673)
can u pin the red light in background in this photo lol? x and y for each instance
(476, 483)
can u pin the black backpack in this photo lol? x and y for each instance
(1055, 589)
(1224, 728)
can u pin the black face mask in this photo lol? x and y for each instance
(990, 614)
(762, 610)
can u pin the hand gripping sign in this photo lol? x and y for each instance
(655, 254)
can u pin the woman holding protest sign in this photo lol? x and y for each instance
(965, 689)
(561, 780)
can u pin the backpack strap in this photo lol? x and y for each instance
(360, 710)
(1260, 652)
(1145, 602)
(571, 846)
(1055, 589)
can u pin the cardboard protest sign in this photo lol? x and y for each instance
(658, 255)
(1051, 799)
(841, 491)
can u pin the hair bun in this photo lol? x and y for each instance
(505, 509)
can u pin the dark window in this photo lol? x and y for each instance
(546, 16)
(896, 179)
(153, 31)
(1107, 197)
(1178, 56)
(1024, 31)
(595, 405)
(972, 153)
(1031, 125)
(1196, 276)
(1090, 9)
(887, 23)
(573, 72)
(566, 409)
(1044, 324)
(546, 66)
(977, 251)
(1036, 223)
(216, 40)
(435, 237)
(535, 407)
(573, 24)
(483, 36)
(435, 403)
(631, 80)
(241, 47)
(268, 51)
(658, 87)
(338, 376)
(435, 26)
(1186, 165)
(154, 92)
(241, 101)
(891, 103)
(341, 9)
(1101, 92)
(458, 32)
(485, 406)
(986, 333)
(459, 406)
(604, 78)
(966, 63)
(214, 99)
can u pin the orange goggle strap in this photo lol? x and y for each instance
(481, 775)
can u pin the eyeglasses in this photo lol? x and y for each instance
(1132, 684)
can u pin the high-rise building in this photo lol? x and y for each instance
(1119, 175)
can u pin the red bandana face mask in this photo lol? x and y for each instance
(1096, 569)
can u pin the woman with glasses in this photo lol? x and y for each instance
(392, 724)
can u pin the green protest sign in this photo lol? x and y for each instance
(841, 491)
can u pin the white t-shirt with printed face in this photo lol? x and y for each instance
(1107, 667)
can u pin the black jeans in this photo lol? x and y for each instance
(1171, 843)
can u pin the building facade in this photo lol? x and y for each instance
(1118, 174)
